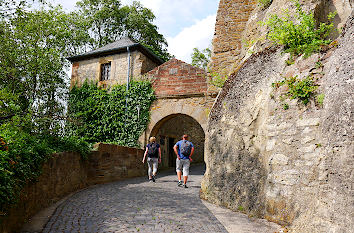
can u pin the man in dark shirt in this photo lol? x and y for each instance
(153, 151)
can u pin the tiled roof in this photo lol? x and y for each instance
(114, 48)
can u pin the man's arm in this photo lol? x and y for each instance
(190, 156)
(176, 152)
(145, 155)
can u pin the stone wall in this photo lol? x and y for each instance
(292, 166)
(90, 69)
(66, 172)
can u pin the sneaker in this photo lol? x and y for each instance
(150, 180)
(179, 183)
(185, 186)
(153, 178)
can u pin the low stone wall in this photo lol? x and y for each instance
(65, 173)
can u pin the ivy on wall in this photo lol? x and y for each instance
(114, 116)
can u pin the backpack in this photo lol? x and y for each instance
(186, 148)
(153, 150)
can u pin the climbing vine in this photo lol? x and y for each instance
(114, 116)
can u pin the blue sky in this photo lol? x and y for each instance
(186, 24)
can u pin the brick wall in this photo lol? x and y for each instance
(65, 173)
(176, 77)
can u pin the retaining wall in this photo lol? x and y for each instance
(65, 173)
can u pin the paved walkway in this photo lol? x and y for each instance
(136, 205)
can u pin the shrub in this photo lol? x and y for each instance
(320, 99)
(22, 154)
(299, 38)
(297, 88)
(264, 3)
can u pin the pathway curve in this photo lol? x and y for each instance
(135, 205)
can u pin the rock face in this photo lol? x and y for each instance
(238, 33)
(294, 164)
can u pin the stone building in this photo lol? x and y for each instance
(113, 63)
(183, 97)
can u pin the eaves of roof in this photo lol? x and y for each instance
(136, 46)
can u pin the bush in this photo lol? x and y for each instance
(298, 89)
(264, 3)
(22, 155)
(299, 38)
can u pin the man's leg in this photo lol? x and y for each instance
(179, 171)
(179, 175)
(150, 164)
(186, 164)
(185, 178)
(154, 171)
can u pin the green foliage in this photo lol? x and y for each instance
(201, 58)
(99, 115)
(264, 3)
(320, 99)
(290, 61)
(318, 64)
(32, 77)
(106, 21)
(297, 88)
(217, 79)
(301, 89)
(22, 155)
(285, 106)
(299, 38)
(32, 93)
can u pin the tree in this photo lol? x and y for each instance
(201, 58)
(32, 77)
(109, 21)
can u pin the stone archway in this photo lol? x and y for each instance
(170, 129)
(196, 107)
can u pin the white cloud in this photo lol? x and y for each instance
(172, 16)
(198, 36)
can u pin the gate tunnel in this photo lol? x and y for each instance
(170, 129)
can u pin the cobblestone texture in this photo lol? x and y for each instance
(135, 205)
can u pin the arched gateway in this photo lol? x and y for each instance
(182, 106)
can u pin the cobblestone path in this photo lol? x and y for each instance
(136, 205)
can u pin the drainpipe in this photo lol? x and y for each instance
(128, 74)
(128, 80)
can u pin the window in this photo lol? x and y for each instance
(105, 71)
